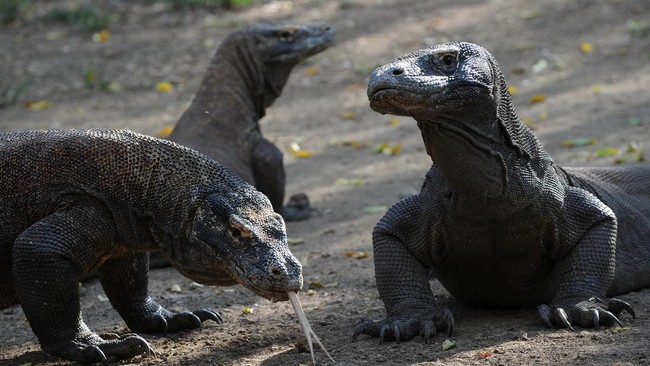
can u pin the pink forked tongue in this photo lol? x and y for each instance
(302, 318)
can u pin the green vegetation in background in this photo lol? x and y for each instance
(10, 93)
(186, 4)
(88, 16)
(10, 10)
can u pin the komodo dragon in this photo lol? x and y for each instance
(496, 221)
(78, 201)
(245, 76)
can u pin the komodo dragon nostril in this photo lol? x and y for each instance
(398, 71)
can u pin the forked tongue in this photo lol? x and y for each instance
(302, 318)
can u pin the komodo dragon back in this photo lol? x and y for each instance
(76, 201)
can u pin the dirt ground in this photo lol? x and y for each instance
(600, 97)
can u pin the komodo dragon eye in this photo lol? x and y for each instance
(448, 62)
(286, 35)
(238, 229)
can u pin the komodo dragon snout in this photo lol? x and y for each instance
(244, 245)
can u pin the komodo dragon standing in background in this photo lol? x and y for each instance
(245, 76)
(78, 201)
(496, 221)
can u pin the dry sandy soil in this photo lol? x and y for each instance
(601, 94)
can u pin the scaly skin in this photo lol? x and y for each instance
(246, 75)
(496, 220)
(78, 201)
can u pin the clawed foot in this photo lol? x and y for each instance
(591, 313)
(92, 348)
(297, 208)
(165, 322)
(407, 327)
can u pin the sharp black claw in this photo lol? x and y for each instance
(612, 318)
(545, 313)
(426, 330)
(382, 334)
(562, 316)
(162, 324)
(449, 319)
(97, 354)
(205, 314)
(396, 332)
(596, 318)
(360, 329)
(617, 305)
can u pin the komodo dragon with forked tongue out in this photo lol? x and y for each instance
(78, 201)
(496, 221)
(246, 75)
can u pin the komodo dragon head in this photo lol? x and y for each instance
(237, 238)
(265, 54)
(458, 95)
(456, 83)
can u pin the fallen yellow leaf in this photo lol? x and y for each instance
(512, 90)
(347, 115)
(355, 254)
(388, 149)
(38, 105)
(348, 181)
(298, 152)
(394, 121)
(165, 132)
(537, 98)
(101, 36)
(312, 71)
(586, 47)
(597, 89)
(164, 86)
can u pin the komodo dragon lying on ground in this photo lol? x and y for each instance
(97, 200)
(496, 221)
(245, 76)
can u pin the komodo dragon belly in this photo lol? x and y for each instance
(495, 264)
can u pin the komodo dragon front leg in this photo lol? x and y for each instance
(268, 172)
(48, 259)
(585, 259)
(402, 268)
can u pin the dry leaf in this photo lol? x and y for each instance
(579, 141)
(247, 310)
(586, 47)
(164, 87)
(512, 90)
(101, 36)
(388, 149)
(375, 209)
(295, 241)
(482, 355)
(38, 105)
(394, 121)
(165, 131)
(298, 152)
(355, 254)
(348, 181)
(347, 115)
(448, 344)
(312, 71)
(537, 98)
